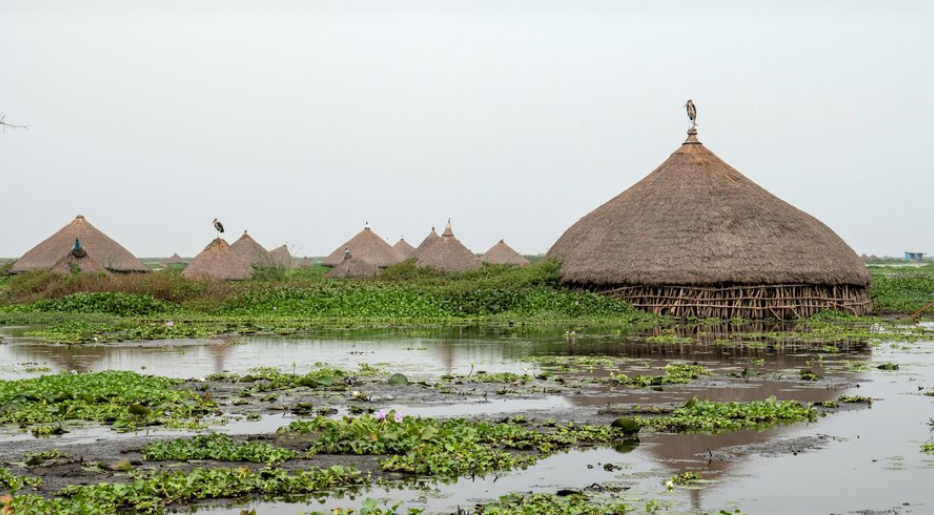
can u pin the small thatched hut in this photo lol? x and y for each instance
(447, 253)
(78, 261)
(432, 236)
(281, 257)
(503, 254)
(404, 248)
(219, 261)
(174, 260)
(305, 262)
(252, 252)
(697, 238)
(354, 268)
(105, 251)
(366, 246)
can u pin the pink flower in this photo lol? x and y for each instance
(381, 415)
(399, 418)
(170, 324)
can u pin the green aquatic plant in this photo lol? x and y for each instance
(714, 417)
(12, 483)
(215, 446)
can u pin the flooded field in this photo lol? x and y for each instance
(853, 458)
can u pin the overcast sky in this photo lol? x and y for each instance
(301, 121)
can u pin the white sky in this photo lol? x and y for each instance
(300, 121)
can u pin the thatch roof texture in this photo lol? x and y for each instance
(503, 254)
(354, 268)
(174, 260)
(219, 261)
(404, 248)
(70, 263)
(366, 246)
(252, 252)
(697, 222)
(281, 257)
(447, 253)
(102, 249)
(432, 236)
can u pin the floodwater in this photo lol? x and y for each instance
(863, 460)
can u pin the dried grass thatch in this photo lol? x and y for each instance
(366, 246)
(70, 263)
(352, 267)
(503, 254)
(219, 261)
(102, 249)
(432, 236)
(281, 257)
(447, 253)
(252, 252)
(404, 248)
(305, 262)
(174, 260)
(696, 237)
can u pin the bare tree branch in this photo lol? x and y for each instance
(4, 124)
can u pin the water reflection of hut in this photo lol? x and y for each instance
(219, 261)
(251, 251)
(448, 254)
(352, 267)
(503, 254)
(100, 247)
(697, 238)
(366, 246)
(404, 248)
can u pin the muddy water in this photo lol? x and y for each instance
(863, 459)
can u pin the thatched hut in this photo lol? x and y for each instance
(366, 246)
(305, 262)
(72, 262)
(252, 252)
(447, 253)
(174, 260)
(219, 261)
(404, 248)
(432, 236)
(352, 267)
(697, 238)
(503, 254)
(102, 249)
(281, 257)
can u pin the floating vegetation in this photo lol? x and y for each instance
(715, 417)
(807, 374)
(888, 366)
(927, 447)
(215, 446)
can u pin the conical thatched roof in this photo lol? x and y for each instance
(502, 254)
(353, 267)
(219, 261)
(105, 251)
(696, 220)
(70, 263)
(432, 236)
(281, 257)
(448, 253)
(174, 260)
(305, 262)
(366, 246)
(254, 253)
(404, 248)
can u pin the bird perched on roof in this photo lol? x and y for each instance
(692, 111)
(346, 253)
(219, 226)
(78, 251)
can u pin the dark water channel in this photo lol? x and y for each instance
(855, 461)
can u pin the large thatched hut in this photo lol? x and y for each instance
(503, 254)
(697, 238)
(100, 247)
(366, 246)
(252, 252)
(281, 257)
(404, 248)
(352, 267)
(432, 236)
(447, 253)
(219, 261)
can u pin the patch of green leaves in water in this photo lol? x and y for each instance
(271, 378)
(674, 374)
(11, 483)
(126, 400)
(150, 494)
(215, 446)
(448, 447)
(716, 417)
